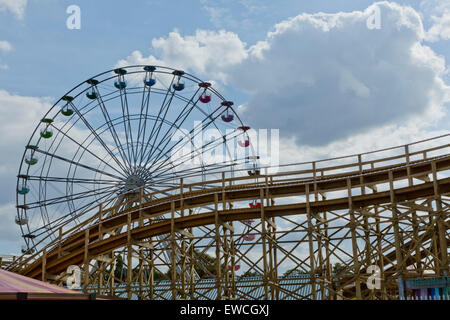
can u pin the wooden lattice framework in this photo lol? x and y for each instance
(318, 229)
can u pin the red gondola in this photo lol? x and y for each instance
(244, 144)
(244, 128)
(205, 98)
(249, 237)
(255, 204)
(227, 117)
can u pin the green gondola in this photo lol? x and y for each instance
(120, 85)
(30, 158)
(92, 95)
(31, 161)
(23, 190)
(46, 132)
(66, 111)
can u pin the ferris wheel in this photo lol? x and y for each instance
(131, 128)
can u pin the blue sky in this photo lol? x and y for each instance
(48, 58)
(379, 88)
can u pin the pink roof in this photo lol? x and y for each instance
(12, 283)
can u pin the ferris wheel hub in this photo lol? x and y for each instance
(133, 182)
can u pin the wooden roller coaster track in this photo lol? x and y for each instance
(319, 227)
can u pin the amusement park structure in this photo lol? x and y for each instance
(237, 230)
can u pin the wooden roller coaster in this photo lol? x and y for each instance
(315, 230)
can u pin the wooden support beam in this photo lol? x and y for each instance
(86, 261)
(356, 262)
(218, 245)
(44, 265)
(312, 271)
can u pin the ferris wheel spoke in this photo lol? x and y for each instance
(161, 123)
(192, 171)
(85, 148)
(127, 124)
(52, 155)
(195, 131)
(60, 221)
(156, 119)
(201, 168)
(215, 125)
(143, 115)
(64, 198)
(112, 129)
(86, 123)
(182, 115)
(71, 180)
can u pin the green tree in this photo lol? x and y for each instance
(249, 274)
(338, 268)
(294, 272)
(120, 271)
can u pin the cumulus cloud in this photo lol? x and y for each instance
(19, 115)
(17, 7)
(9, 231)
(5, 46)
(206, 52)
(239, 14)
(437, 13)
(440, 30)
(324, 77)
(377, 139)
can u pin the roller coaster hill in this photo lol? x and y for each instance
(96, 193)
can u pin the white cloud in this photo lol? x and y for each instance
(5, 46)
(331, 85)
(19, 115)
(325, 77)
(376, 139)
(440, 29)
(207, 52)
(437, 12)
(17, 7)
(241, 14)
(434, 7)
(9, 231)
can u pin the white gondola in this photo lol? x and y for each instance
(21, 221)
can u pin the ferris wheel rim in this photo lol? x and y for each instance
(25, 229)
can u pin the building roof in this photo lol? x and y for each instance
(17, 287)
